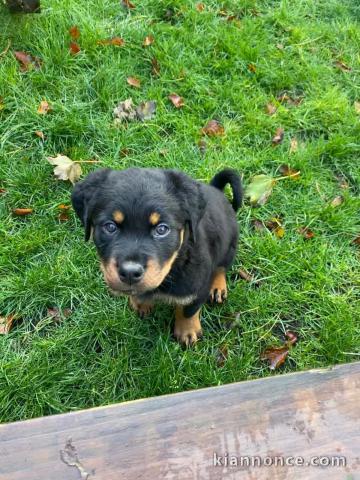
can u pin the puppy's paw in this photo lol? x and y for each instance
(218, 290)
(187, 330)
(141, 308)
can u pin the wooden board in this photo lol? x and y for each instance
(305, 415)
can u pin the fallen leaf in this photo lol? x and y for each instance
(155, 70)
(259, 189)
(116, 41)
(222, 355)
(74, 48)
(40, 134)
(124, 111)
(306, 233)
(65, 168)
(70, 457)
(6, 323)
(56, 314)
(44, 108)
(356, 241)
(63, 217)
(213, 129)
(176, 100)
(338, 200)
(245, 275)
(342, 66)
(292, 337)
(274, 225)
(146, 110)
(270, 109)
(62, 206)
(280, 46)
(2, 191)
(202, 146)
(74, 32)
(200, 7)
(258, 225)
(285, 97)
(21, 212)
(127, 4)
(149, 40)
(293, 145)
(357, 107)
(252, 68)
(134, 82)
(287, 171)
(163, 152)
(278, 137)
(276, 356)
(27, 61)
(342, 181)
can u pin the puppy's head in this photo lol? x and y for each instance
(139, 220)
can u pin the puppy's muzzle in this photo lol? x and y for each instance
(131, 272)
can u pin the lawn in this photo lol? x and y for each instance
(302, 58)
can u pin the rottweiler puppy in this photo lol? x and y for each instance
(162, 236)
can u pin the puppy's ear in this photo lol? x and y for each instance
(83, 194)
(191, 199)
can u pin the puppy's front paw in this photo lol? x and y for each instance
(187, 330)
(218, 289)
(141, 308)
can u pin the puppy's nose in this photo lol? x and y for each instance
(131, 272)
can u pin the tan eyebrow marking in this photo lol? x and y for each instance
(154, 218)
(118, 216)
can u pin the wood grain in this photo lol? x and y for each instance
(309, 414)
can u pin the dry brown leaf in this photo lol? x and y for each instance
(155, 70)
(306, 233)
(134, 82)
(270, 109)
(44, 107)
(278, 137)
(22, 212)
(222, 355)
(202, 146)
(146, 110)
(213, 129)
(338, 200)
(200, 7)
(274, 225)
(176, 100)
(294, 145)
(252, 68)
(56, 314)
(127, 4)
(357, 107)
(356, 241)
(116, 41)
(74, 48)
(63, 217)
(342, 66)
(292, 337)
(65, 168)
(124, 111)
(245, 275)
(27, 61)
(276, 356)
(40, 134)
(287, 171)
(6, 323)
(258, 225)
(2, 191)
(148, 40)
(285, 97)
(74, 32)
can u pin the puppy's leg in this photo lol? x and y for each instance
(218, 289)
(187, 325)
(142, 308)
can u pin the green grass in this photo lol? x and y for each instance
(103, 353)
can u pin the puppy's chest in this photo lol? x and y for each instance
(172, 299)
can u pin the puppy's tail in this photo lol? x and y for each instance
(233, 178)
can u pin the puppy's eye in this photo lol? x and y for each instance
(109, 227)
(161, 230)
